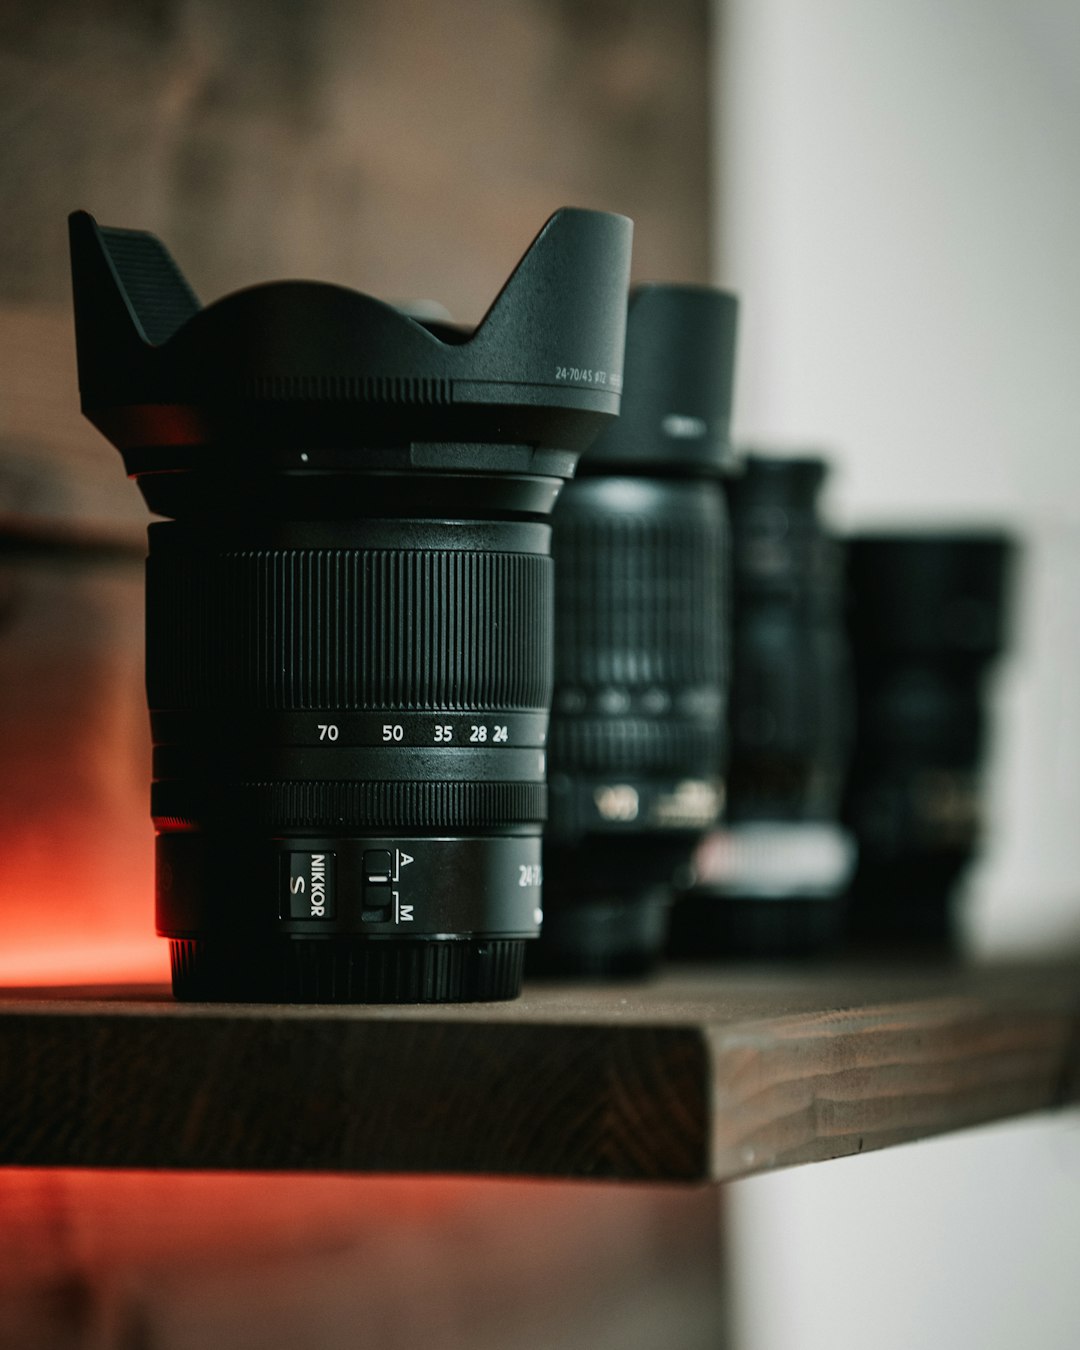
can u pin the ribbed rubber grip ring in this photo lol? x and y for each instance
(348, 806)
(375, 629)
(348, 970)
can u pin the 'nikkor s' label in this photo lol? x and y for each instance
(309, 880)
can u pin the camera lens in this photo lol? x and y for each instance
(769, 882)
(640, 631)
(927, 618)
(349, 608)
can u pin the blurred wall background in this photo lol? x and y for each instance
(404, 147)
(899, 206)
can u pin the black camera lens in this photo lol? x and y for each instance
(640, 642)
(349, 610)
(927, 618)
(770, 881)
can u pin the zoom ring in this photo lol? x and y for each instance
(345, 806)
(376, 629)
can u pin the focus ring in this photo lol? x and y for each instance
(344, 806)
(635, 746)
(639, 600)
(378, 629)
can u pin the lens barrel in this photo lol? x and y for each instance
(349, 611)
(770, 881)
(640, 642)
(927, 616)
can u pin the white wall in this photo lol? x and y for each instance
(963, 1243)
(899, 207)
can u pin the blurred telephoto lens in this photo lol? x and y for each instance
(928, 615)
(640, 633)
(770, 881)
(349, 609)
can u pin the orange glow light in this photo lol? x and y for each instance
(66, 960)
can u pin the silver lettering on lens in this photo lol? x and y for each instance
(692, 804)
(617, 802)
(310, 883)
(684, 428)
(318, 885)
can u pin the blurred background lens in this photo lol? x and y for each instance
(769, 880)
(641, 622)
(928, 615)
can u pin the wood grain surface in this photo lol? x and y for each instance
(699, 1076)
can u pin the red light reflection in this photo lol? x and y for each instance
(68, 960)
(76, 843)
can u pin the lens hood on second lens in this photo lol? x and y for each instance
(680, 371)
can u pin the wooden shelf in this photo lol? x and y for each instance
(702, 1075)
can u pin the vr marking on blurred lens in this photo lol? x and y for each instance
(693, 804)
(684, 428)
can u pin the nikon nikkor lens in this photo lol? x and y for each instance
(349, 609)
(770, 881)
(640, 642)
(927, 618)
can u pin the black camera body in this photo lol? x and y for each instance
(349, 611)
